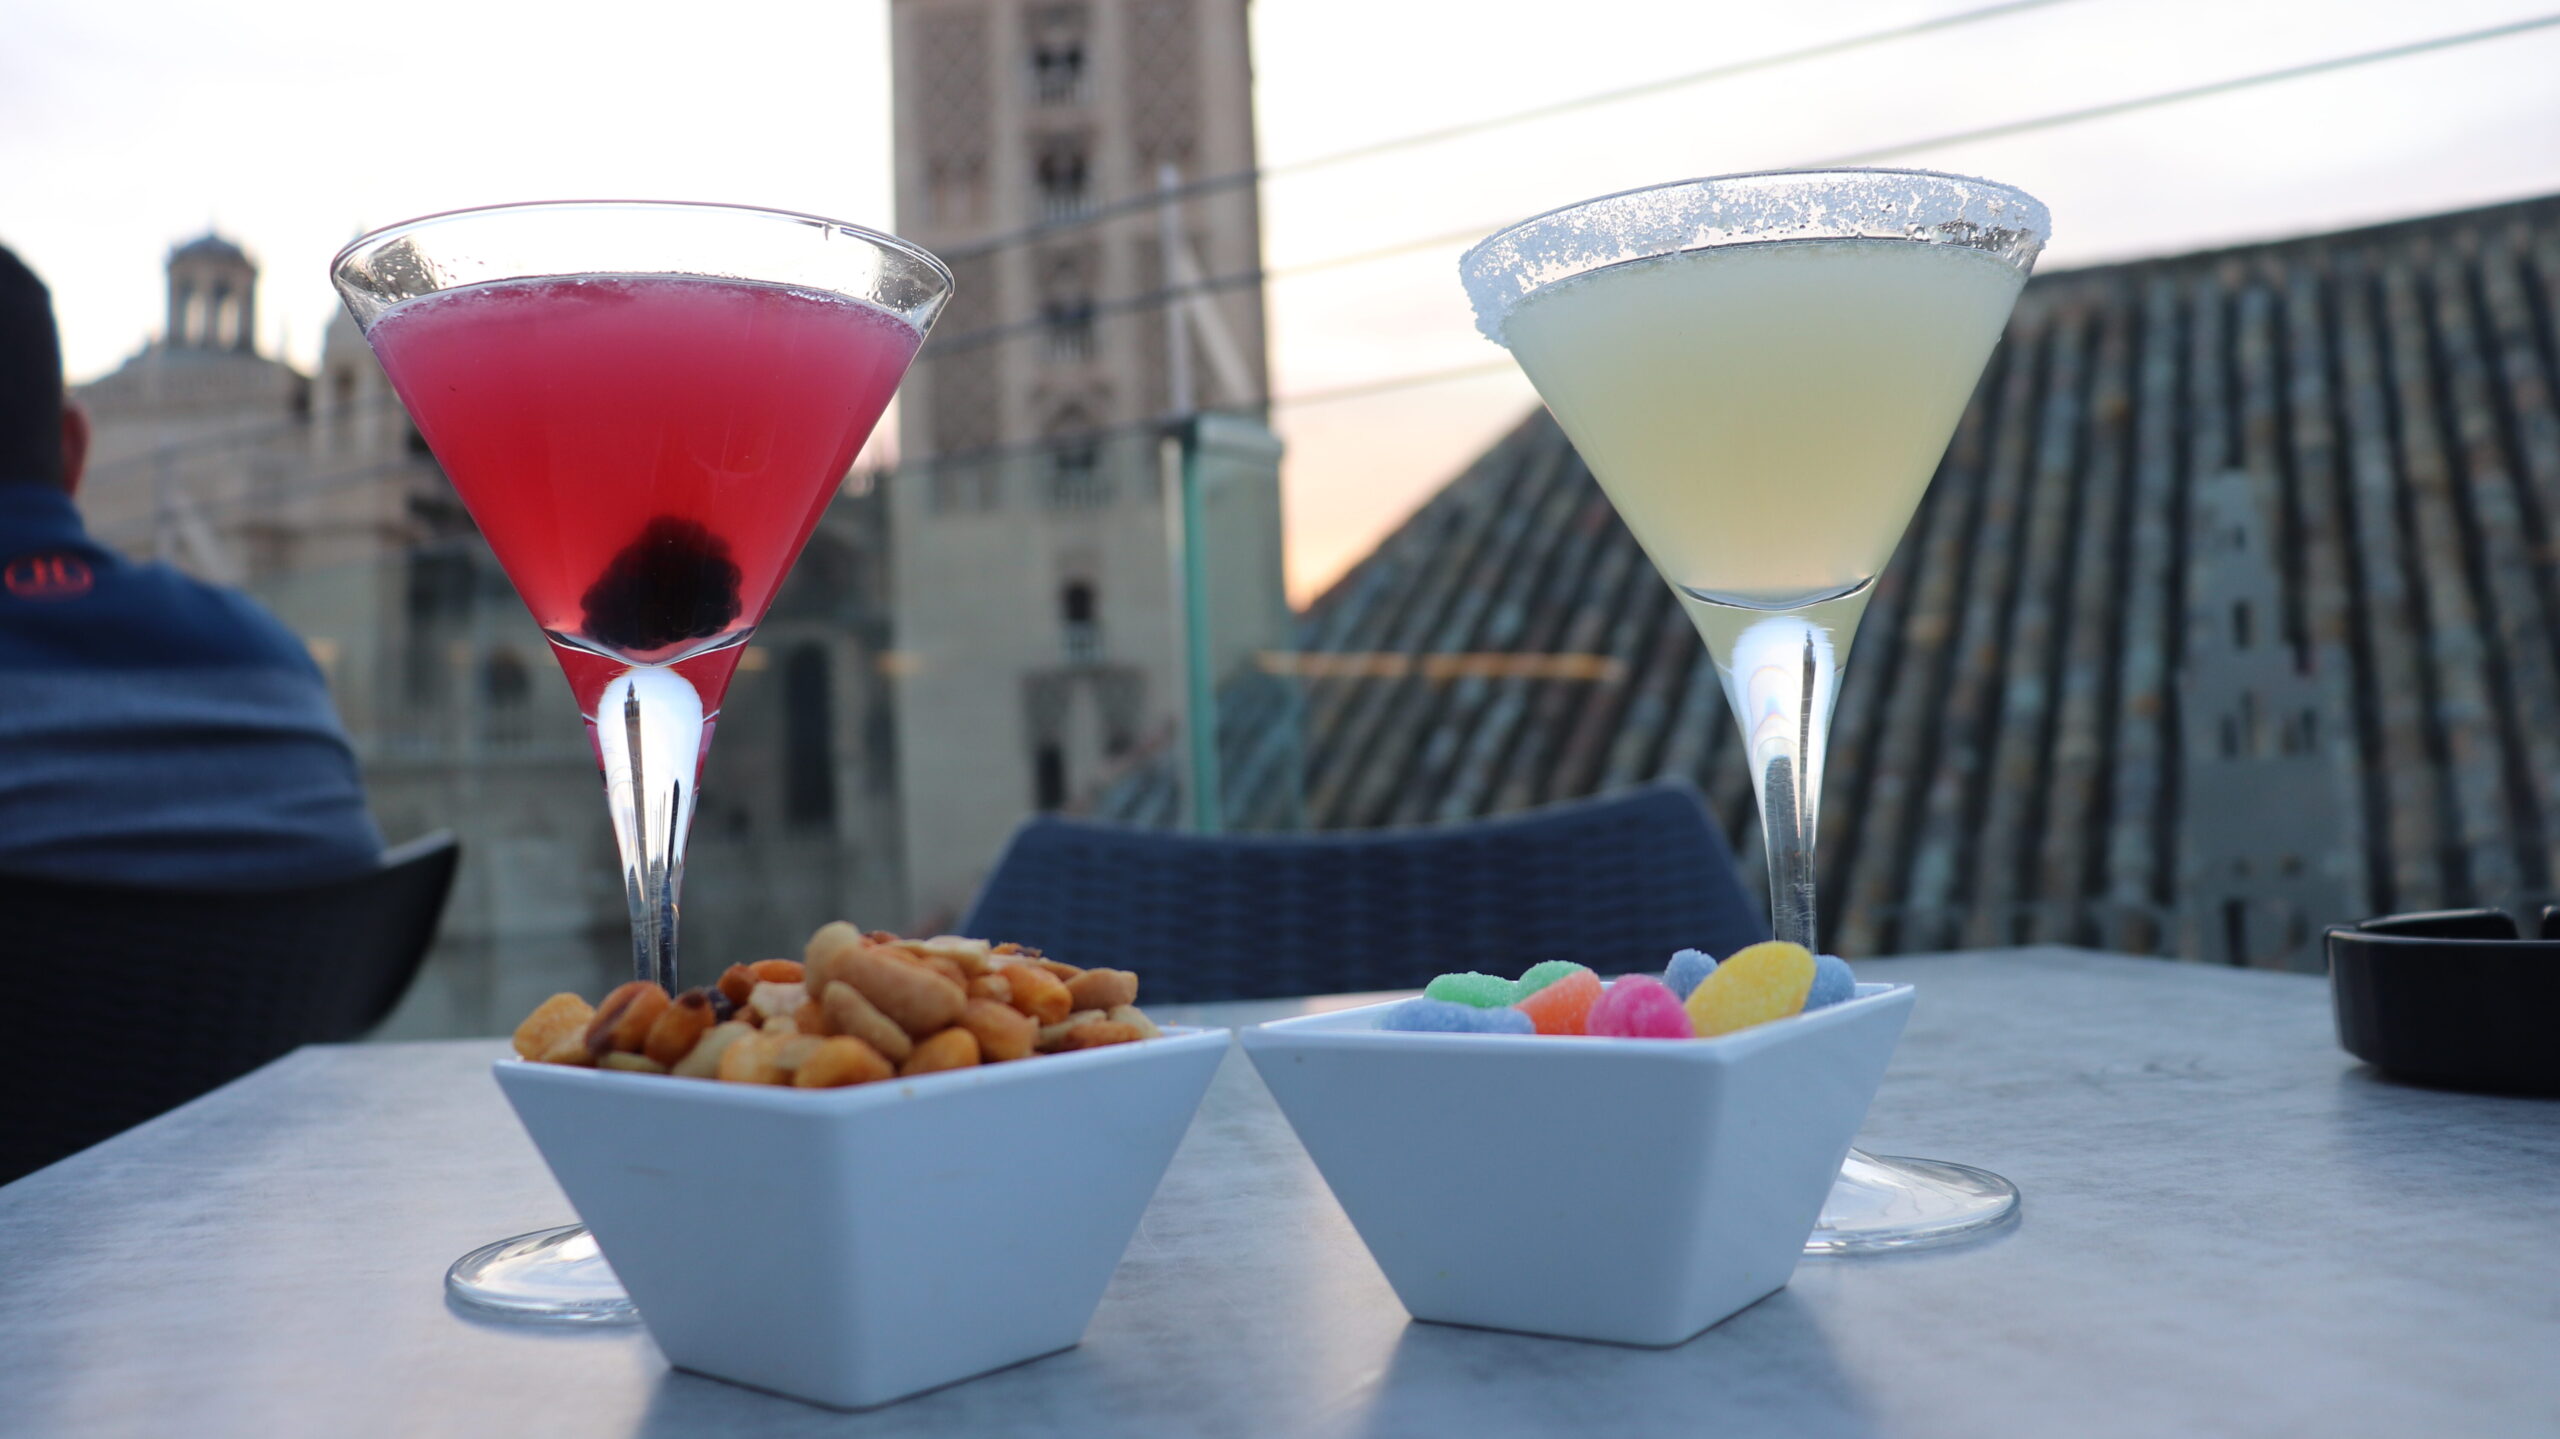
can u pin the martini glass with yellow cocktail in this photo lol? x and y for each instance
(1762, 372)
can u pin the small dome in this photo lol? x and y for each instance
(210, 246)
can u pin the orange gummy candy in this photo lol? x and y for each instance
(1563, 1007)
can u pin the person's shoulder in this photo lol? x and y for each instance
(211, 623)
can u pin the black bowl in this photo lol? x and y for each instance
(2453, 997)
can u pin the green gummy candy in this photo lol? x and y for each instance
(1538, 976)
(1484, 991)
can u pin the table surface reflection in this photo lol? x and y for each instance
(2230, 1227)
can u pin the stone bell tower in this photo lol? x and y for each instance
(1038, 606)
(213, 297)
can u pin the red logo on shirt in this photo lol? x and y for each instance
(47, 577)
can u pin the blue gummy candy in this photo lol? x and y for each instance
(1687, 968)
(1439, 1016)
(1832, 982)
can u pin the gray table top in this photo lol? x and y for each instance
(2230, 1228)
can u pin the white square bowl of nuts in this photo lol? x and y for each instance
(907, 1222)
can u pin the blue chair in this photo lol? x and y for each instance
(1617, 882)
(150, 997)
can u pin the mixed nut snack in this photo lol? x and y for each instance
(855, 1008)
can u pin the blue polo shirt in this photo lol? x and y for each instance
(157, 730)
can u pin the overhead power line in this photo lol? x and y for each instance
(1234, 179)
(2053, 120)
(2196, 92)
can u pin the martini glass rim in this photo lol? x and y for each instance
(1490, 262)
(376, 238)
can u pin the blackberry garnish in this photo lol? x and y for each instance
(674, 583)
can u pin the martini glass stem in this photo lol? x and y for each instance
(649, 731)
(1782, 682)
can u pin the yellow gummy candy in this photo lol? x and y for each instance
(1761, 983)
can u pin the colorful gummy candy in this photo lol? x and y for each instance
(1754, 985)
(1563, 1007)
(1440, 1016)
(1640, 1007)
(1546, 972)
(1484, 991)
(1832, 982)
(1697, 998)
(1687, 968)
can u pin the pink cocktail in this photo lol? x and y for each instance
(645, 453)
(646, 408)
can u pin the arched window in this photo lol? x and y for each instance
(1057, 54)
(1078, 622)
(506, 698)
(1076, 480)
(808, 739)
(1048, 777)
(226, 318)
(1063, 172)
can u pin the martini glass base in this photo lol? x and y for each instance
(551, 1276)
(1881, 1203)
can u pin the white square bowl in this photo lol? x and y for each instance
(854, 1246)
(1627, 1190)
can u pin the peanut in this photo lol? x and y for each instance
(1051, 1035)
(777, 971)
(974, 956)
(831, 936)
(703, 1062)
(1103, 989)
(795, 1051)
(559, 1015)
(1059, 968)
(1038, 993)
(750, 1059)
(953, 1048)
(622, 1021)
(736, 983)
(841, 1060)
(849, 1013)
(827, 950)
(992, 986)
(772, 1000)
(948, 968)
(636, 1063)
(680, 1026)
(921, 1001)
(569, 1048)
(1097, 1033)
(1136, 1018)
(1003, 1032)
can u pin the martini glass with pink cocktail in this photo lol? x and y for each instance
(646, 407)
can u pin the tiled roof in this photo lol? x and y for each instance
(2005, 760)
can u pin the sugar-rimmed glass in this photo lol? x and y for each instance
(1762, 372)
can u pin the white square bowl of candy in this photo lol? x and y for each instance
(854, 1246)
(1629, 1190)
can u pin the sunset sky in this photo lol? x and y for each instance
(293, 124)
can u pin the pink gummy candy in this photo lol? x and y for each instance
(1640, 1007)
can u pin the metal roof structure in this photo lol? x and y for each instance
(2006, 762)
